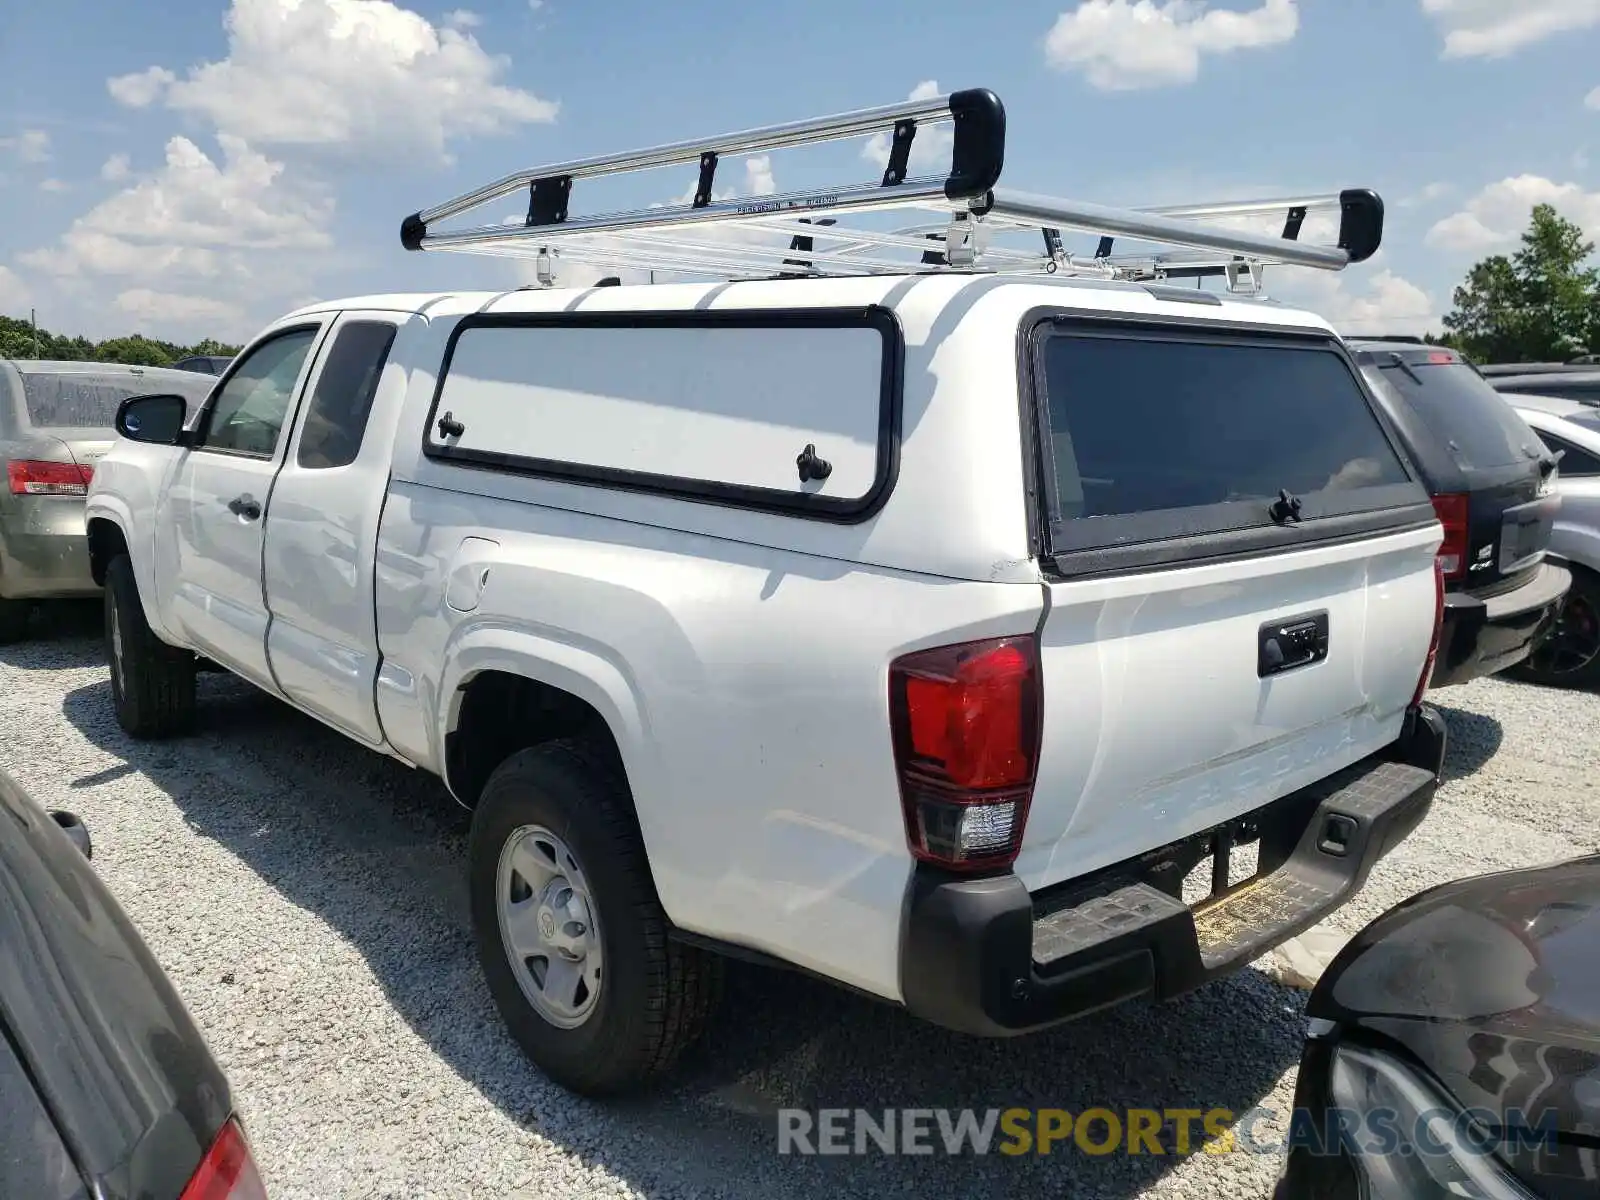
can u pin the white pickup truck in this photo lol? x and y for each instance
(921, 631)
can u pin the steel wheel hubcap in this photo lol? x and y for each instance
(548, 926)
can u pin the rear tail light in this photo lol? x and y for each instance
(31, 478)
(227, 1172)
(1438, 632)
(965, 720)
(1452, 513)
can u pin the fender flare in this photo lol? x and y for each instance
(114, 510)
(584, 672)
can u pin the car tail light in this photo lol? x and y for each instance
(965, 721)
(1438, 632)
(227, 1172)
(31, 478)
(1452, 513)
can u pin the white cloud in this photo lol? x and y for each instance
(165, 309)
(1358, 301)
(1495, 28)
(14, 292)
(116, 168)
(54, 185)
(1592, 100)
(364, 77)
(142, 88)
(462, 18)
(196, 204)
(31, 145)
(1126, 44)
(232, 227)
(930, 149)
(1429, 194)
(1498, 215)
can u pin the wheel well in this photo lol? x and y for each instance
(105, 543)
(501, 713)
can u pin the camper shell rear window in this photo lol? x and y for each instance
(1162, 444)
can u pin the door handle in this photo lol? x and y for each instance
(245, 506)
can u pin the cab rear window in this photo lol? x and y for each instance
(1162, 435)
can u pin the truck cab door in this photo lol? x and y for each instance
(219, 497)
(322, 640)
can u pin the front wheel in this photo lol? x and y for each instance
(570, 933)
(1569, 655)
(152, 683)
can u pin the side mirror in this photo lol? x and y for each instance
(155, 419)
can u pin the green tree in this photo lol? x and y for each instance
(18, 340)
(138, 351)
(1539, 305)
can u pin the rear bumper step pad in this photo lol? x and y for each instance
(984, 957)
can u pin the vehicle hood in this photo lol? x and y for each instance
(134, 1092)
(1493, 984)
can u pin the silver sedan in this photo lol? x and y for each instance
(55, 424)
(1571, 428)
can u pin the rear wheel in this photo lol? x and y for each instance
(152, 683)
(1569, 655)
(14, 620)
(569, 930)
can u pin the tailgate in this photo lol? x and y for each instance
(1510, 516)
(1158, 721)
(1207, 489)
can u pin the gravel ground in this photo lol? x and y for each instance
(307, 898)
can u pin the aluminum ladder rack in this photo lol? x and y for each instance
(959, 220)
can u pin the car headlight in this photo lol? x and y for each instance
(1409, 1141)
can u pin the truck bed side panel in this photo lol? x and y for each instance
(747, 689)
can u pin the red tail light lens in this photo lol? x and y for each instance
(227, 1172)
(29, 478)
(1438, 632)
(966, 738)
(1452, 513)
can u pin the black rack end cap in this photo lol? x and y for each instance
(980, 143)
(1360, 223)
(412, 231)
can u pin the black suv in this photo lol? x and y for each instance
(1491, 482)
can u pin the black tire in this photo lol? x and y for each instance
(14, 620)
(655, 994)
(1569, 656)
(152, 683)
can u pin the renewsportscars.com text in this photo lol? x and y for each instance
(1147, 1131)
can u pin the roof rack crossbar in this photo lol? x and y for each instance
(1154, 227)
(960, 222)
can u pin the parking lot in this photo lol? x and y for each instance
(307, 899)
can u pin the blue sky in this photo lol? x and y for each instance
(200, 166)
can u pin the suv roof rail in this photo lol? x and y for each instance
(1409, 338)
(1539, 368)
(961, 211)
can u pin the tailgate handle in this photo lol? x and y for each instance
(1292, 642)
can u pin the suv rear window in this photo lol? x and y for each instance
(1164, 435)
(1479, 424)
(85, 400)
